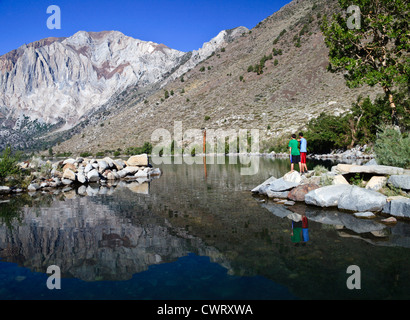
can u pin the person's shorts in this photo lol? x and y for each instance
(303, 157)
(295, 159)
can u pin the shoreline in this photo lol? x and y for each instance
(43, 175)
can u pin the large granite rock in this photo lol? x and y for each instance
(280, 185)
(376, 183)
(93, 176)
(399, 207)
(361, 200)
(292, 176)
(327, 196)
(138, 160)
(261, 189)
(375, 169)
(400, 181)
(69, 174)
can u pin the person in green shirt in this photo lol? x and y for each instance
(294, 153)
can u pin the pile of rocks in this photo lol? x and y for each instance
(84, 171)
(331, 189)
(356, 153)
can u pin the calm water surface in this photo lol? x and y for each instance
(194, 234)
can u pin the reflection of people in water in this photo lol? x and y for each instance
(300, 230)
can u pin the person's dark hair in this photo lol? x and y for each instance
(294, 136)
(300, 134)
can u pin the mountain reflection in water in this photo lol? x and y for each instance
(188, 235)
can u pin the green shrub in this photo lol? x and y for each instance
(319, 170)
(117, 153)
(202, 69)
(207, 118)
(359, 126)
(392, 148)
(85, 154)
(8, 164)
(100, 154)
(146, 148)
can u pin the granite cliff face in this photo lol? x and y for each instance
(57, 82)
(66, 78)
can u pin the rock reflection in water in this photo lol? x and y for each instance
(91, 241)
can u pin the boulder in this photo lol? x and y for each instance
(292, 176)
(376, 183)
(81, 177)
(69, 174)
(93, 176)
(131, 169)
(327, 196)
(112, 175)
(88, 168)
(374, 169)
(4, 190)
(372, 162)
(70, 160)
(399, 207)
(118, 164)
(138, 160)
(122, 173)
(262, 187)
(359, 199)
(400, 181)
(109, 161)
(102, 165)
(33, 187)
(67, 182)
(281, 185)
(70, 166)
(298, 193)
(339, 179)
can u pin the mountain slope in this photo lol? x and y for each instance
(221, 93)
(56, 83)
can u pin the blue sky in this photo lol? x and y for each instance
(180, 24)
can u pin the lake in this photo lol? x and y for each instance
(196, 233)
